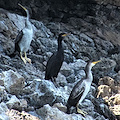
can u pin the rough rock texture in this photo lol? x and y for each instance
(16, 115)
(94, 35)
(13, 82)
(109, 91)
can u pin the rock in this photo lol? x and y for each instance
(94, 35)
(3, 108)
(116, 110)
(61, 80)
(109, 92)
(65, 69)
(115, 99)
(3, 94)
(60, 106)
(4, 117)
(53, 113)
(18, 104)
(44, 92)
(14, 102)
(14, 114)
(103, 109)
(13, 82)
(106, 66)
(107, 81)
(103, 91)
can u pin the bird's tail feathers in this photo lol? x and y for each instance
(68, 108)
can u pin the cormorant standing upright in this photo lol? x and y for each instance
(55, 61)
(24, 38)
(81, 89)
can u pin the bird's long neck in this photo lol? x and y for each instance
(59, 44)
(27, 22)
(89, 74)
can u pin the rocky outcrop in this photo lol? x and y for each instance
(13, 82)
(109, 91)
(16, 115)
(23, 88)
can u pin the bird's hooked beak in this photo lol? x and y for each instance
(66, 34)
(22, 7)
(95, 62)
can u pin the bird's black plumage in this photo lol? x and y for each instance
(55, 61)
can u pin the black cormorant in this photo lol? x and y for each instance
(24, 38)
(55, 61)
(81, 89)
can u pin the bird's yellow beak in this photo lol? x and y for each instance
(66, 34)
(96, 61)
(22, 7)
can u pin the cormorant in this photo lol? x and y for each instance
(24, 38)
(55, 61)
(81, 89)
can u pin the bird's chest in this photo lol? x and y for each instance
(26, 39)
(87, 86)
(27, 35)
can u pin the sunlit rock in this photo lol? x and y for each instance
(13, 82)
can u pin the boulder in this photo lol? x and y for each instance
(3, 94)
(13, 82)
(44, 92)
(53, 113)
(107, 81)
(103, 91)
(14, 102)
(14, 114)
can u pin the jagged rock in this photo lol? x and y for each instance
(92, 37)
(107, 81)
(106, 66)
(3, 108)
(61, 80)
(104, 90)
(3, 94)
(18, 104)
(107, 90)
(13, 82)
(53, 113)
(4, 117)
(65, 69)
(16, 115)
(14, 102)
(44, 92)
(116, 110)
(60, 106)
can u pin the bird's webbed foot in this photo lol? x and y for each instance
(24, 60)
(81, 112)
(27, 59)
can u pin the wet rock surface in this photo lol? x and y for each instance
(23, 90)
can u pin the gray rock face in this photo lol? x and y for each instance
(52, 113)
(23, 87)
(44, 92)
(13, 82)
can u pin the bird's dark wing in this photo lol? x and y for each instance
(17, 40)
(75, 95)
(19, 36)
(78, 90)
